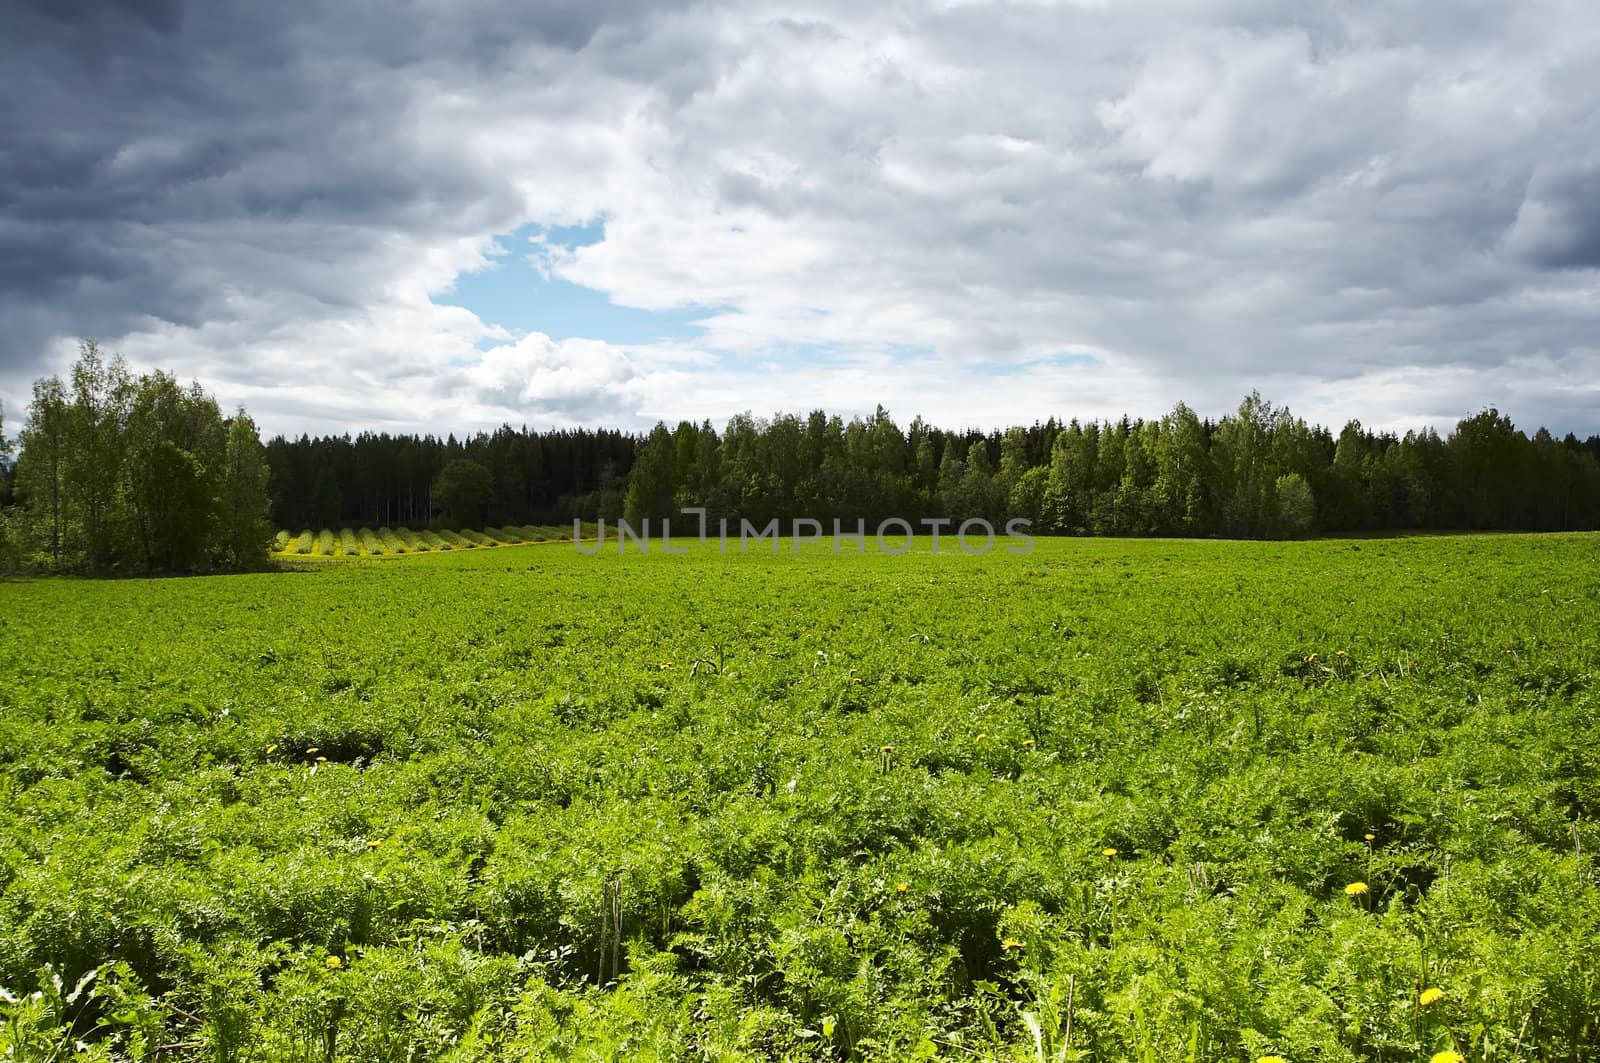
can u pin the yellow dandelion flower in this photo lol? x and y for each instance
(1271, 1059)
(1447, 1056)
(1027, 741)
(902, 887)
(373, 844)
(310, 751)
(1108, 853)
(981, 736)
(886, 749)
(273, 748)
(335, 962)
(1370, 837)
(1355, 889)
(322, 760)
(1011, 943)
(1432, 995)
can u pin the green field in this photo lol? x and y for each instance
(1147, 800)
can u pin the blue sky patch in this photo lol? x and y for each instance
(514, 294)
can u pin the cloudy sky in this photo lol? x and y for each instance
(448, 214)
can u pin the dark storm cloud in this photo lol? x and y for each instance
(1558, 226)
(162, 16)
(119, 120)
(126, 125)
(1208, 196)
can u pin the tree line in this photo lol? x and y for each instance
(380, 479)
(117, 473)
(1257, 472)
(1260, 472)
(113, 472)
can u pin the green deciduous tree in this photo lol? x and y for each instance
(1489, 458)
(1026, 498)
(976, 495)
(173, 456)
(463, 489)
(96, 419)
(952, 469)
(1182, 475)
(653, 484)
(1069, 491)
(244, 532)
(1013, 463)
(123, 472)
(1297, 510)
(1240, 449)
(42, 468)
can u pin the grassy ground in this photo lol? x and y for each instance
(1109, 800)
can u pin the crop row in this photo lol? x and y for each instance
(385, 541)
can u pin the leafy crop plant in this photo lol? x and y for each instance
(1111, 800)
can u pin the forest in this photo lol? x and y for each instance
(116, 473)
(1259, 472)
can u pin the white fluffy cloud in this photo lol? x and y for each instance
(983, 213)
